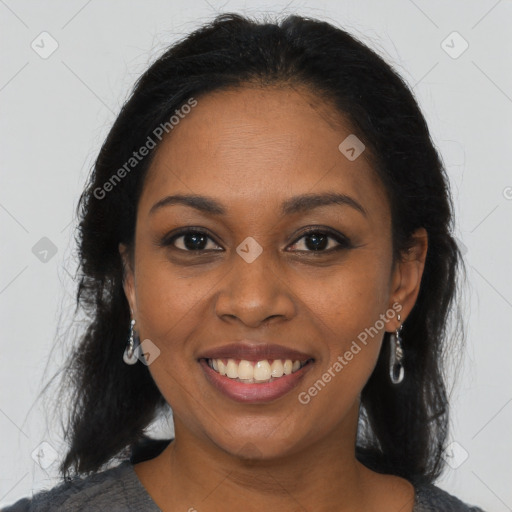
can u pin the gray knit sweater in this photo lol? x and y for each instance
(119, 490)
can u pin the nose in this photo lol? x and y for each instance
(254, 293)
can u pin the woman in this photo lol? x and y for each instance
(268, 225)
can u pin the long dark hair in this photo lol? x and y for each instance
(402, 429)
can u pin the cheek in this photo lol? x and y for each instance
(352, 296)
(347, 309)
(168, 303)
(169, 313)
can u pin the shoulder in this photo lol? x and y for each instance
(115, 489)
(430, 498)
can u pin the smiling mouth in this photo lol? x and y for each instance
(255, 372)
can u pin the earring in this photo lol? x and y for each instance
(131, 352)
(396, 368)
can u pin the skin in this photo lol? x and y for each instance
(251, 149)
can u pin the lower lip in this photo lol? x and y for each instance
(254, 393)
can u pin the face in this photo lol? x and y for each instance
(232, 280)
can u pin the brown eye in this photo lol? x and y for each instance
(318, 240)
(191, 240)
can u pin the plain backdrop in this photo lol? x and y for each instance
(57, 108)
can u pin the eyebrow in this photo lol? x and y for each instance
(297, 204)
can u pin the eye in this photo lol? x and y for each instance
(190, 240)
(317, 240)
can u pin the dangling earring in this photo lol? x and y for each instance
(396, 368)
(131, 351)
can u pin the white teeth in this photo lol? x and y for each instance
(262, 370)
(276, 368)
(250, 371)
(245, 370)
(232, 369)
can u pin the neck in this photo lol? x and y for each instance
(193, 472)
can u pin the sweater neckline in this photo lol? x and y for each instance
(143, 495)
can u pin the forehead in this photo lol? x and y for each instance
(254, 147)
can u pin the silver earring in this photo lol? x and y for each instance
(396, 367)
(131, 352)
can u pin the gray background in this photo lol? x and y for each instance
(55, 112)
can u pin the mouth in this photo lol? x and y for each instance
(251, 373)
(255, 372)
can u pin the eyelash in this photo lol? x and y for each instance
(342, 240)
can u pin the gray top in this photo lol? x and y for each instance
(119, 490)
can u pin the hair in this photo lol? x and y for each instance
(402, 429)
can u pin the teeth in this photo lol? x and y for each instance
(250, 371)
(262, 370)
(245, 370)
(276, 368)
(232, 369)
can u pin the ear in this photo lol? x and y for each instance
(407, 275)
(128, 278)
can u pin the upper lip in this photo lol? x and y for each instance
(254, 352)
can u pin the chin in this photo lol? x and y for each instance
(259, 447)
